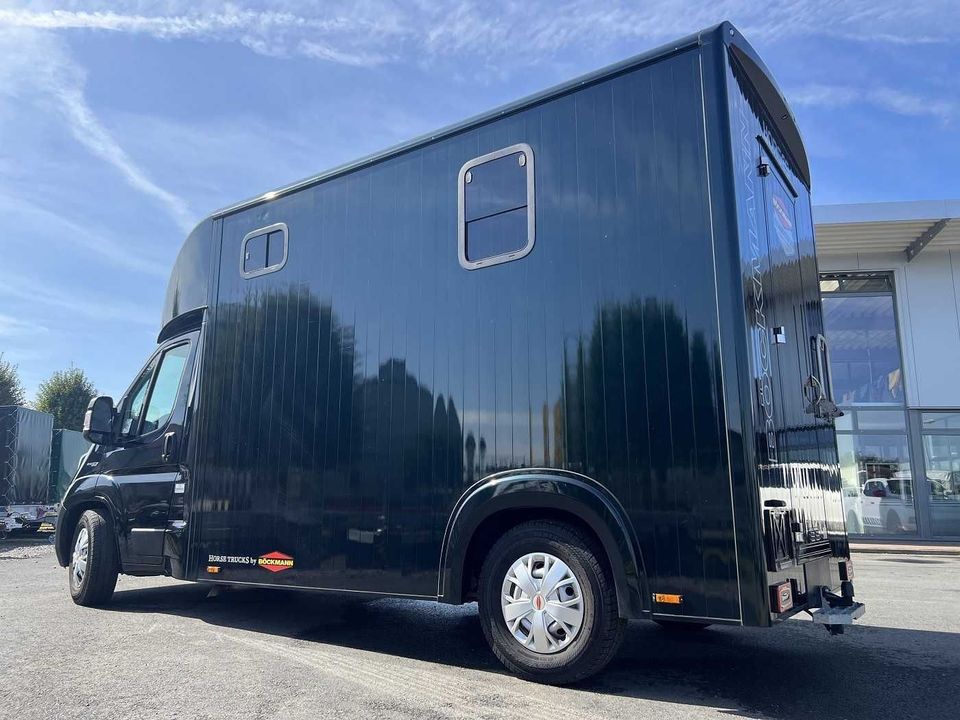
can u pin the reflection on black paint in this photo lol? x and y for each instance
(365, 467)
(354, 394)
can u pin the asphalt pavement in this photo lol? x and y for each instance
(167, 649)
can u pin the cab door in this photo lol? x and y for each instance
(145, 466)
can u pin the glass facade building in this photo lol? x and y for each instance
(890, 282)
(900, 465)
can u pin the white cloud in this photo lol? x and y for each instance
(59, 230)
(322, 51)
(372, 32)
(347, 35)
(493, 38)
(89, 131)
(885, 98)
(11, 327)
(73, 305)
(34, 62)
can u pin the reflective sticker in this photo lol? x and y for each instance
(275, 562)
(272, 562)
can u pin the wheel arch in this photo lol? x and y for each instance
(501, 501)
(90, 493)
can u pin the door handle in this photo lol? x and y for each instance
(168, 446)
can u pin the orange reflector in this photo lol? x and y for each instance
(213, 569)
(667, 599)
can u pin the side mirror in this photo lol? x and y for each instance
(98, 421)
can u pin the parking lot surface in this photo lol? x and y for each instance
(168, 649)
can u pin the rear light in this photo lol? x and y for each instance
(781, 597)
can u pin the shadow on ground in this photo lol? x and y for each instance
(793, 671)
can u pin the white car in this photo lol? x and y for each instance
(887, 506)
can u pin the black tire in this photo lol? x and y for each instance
(601, 631)
(99, 579)
(681, 625)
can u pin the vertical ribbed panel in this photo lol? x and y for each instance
(362, 388)
(796, 457)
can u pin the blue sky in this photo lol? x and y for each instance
(124, 123)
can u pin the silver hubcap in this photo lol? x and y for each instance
(542, 603)
(80, 552)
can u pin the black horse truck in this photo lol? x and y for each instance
(564, 359)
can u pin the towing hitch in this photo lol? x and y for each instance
(837, 611)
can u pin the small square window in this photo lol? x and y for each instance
(276, 248)
(255, 254)
(496, 207)
(263, 251)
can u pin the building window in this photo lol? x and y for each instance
(495, 200)
(878, 497)
(940, 435)
(861, 328)
(264, 250)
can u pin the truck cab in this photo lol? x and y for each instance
(136, 467)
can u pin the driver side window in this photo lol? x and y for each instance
(163, 397)
(154, 394)
(134, 406)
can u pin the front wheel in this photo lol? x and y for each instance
(548, 605)
(93, 565)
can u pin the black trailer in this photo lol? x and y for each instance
(24, 468)
(565, 359)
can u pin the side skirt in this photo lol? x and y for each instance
(332, 591)
(707, 618)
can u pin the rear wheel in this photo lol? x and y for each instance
(548, 605)
(94, 564)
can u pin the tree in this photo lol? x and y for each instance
(66, 396)
(11, 390)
